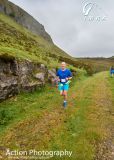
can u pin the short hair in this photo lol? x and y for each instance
(63, 63)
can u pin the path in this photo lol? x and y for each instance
(85, 127)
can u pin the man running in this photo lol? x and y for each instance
(63, 77)
(112, 71)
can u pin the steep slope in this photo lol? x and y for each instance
(20, 42)
(23, 18)
(24, 58)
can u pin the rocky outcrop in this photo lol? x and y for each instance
(17, 76)
(52, 76)
(23, 18)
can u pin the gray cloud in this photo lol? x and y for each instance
(64, 21)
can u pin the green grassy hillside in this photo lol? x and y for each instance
(21, 43)
(98, 64)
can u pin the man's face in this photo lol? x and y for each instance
(63, 66)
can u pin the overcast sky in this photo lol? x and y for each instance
(70, 26)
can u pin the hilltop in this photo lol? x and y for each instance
(98, 63)
(24, 19)
(18, 41)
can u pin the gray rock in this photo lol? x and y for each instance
(52, 76)
(8, 87)
(31, 87)
(17, 76)
(23, 18)
(43, 67)
(52, 73)
(40, 76)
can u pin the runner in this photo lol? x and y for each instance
(64, 76)
(112, 71)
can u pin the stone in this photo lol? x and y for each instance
(40, 76)
(8, 87)
(17, 76)
(31, 87)
(42, 66)
(52, 76)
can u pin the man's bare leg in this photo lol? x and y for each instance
(65, 98)
(65, 95)
(61, 93)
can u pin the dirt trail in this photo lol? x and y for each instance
(102, 99)
(41, 130)
(37, 132)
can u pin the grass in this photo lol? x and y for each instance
(111, 85)
(17, 41)
(23, 106)
(44, 125)
(111, 81)
(98, 64)
(26, 105)
(86, 124)
(73, 137)
(37, 119)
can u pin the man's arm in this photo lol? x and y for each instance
(69, 75)
(57, 76)
(69, 78)
(58, 79)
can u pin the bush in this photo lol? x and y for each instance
(79, 64)
(5, 116)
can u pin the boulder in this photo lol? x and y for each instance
(52, 76)
(43, 67)
(40, 77)
(17, 76)
(31, 87)
(8, 87)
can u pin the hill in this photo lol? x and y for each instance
(28, 60)
(24, 19)
(25, 59)
(98, 64)
(17, 41)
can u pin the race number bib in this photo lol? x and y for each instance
(63, 80)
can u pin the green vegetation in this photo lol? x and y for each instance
(98, 64)
(21, 43)
(40, 122)
(111, 85)
(37, 120)
(23, 106)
